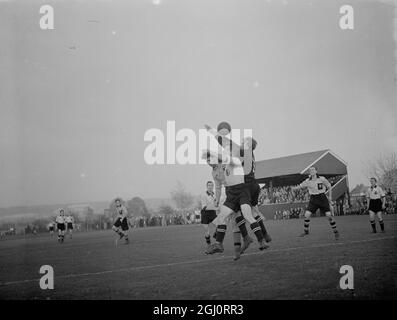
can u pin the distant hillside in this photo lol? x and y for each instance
(98, 206)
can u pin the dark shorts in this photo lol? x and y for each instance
(236, 196)
(61, 226)
(123, 224)
(318, 201)
(70, 226)
(255, 190)
(207, 216)
(51, 228)
(375, 205)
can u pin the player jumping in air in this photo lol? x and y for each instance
(69, 223)
(120, 225)
(60, 221)
(376, 204)
(246, 153)
(237, 198)
(238, 221)
(318, 186)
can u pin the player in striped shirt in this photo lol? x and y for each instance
(318, 186)
(376, 204)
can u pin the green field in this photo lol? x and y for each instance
(169, 263)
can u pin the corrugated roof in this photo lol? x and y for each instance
(288, 165)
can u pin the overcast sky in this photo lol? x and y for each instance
(76, 101)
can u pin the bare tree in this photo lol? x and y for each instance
(137, 207)
(182, 198)
(166, 210)
(384, 169)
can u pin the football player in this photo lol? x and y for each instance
(318, 186)
(376, 204)
(208, 210)
(248, 144)
(237, 198)
(120, 225)
(238, 221)
(60, 221)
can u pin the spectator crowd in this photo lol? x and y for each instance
(293, 213)
(288, 194)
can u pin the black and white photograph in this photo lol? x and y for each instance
(208, 151)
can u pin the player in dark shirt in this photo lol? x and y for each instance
(247, 154)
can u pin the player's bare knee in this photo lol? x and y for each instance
(247, 213)
(256, 212)
(328, 215)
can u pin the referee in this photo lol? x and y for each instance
(318, 187)
(376, 204)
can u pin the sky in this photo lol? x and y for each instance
(76, 101)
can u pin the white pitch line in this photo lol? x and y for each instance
(67, 276)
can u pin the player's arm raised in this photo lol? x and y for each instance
(235, 146)
(301, 186)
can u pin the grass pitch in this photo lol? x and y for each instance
(169, 263)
